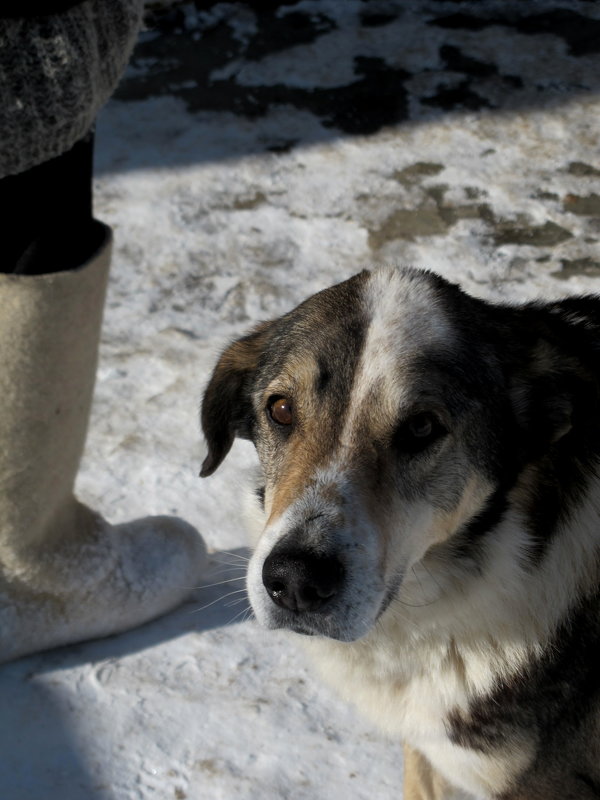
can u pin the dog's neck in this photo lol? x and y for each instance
(459, 613)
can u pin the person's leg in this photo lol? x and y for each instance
(47, 214)
(65, 574)
(422, 782)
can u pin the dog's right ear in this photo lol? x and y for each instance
(227, 406)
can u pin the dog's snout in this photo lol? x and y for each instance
(301, 580)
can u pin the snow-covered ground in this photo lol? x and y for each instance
(253, 154)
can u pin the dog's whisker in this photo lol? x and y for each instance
(224, 565)
(236, 602)
(240, 569)
(219, 583)
(238, 599)
(238, 573)
(431, 575)
(421, 587)
(235, 555)
(245, 611)
(415, 605)
(217, 600)
(399, 614)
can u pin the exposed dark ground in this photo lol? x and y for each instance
(405, 63)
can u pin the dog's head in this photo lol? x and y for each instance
(391, 414)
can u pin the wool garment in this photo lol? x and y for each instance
(56, 72)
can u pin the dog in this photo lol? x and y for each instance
(431, 520)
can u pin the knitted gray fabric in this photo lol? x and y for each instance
(55, 73)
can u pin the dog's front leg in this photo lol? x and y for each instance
(422, 782)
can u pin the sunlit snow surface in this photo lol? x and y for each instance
(249, 158)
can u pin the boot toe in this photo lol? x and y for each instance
(161, 561)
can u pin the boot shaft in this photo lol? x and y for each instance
(49, 335)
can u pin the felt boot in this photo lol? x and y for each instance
(65, 574)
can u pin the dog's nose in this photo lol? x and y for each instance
(301, 580)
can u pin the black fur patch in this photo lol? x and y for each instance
(324, 376)
(548, 356)
(553, 701)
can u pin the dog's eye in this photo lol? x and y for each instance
(280, 411)
(418, 432)
(421, 426)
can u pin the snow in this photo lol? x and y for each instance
(220, 222)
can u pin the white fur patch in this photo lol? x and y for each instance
(404, 319)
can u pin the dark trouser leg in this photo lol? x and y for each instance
(46, 214)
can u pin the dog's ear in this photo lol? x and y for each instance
(227, 405)
(550, 394)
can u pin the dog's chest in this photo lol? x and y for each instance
(425, 706)
(415, 706)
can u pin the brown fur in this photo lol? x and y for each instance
(421, 781)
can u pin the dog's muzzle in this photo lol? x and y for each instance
(313, 574)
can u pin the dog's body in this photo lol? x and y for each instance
(432, 518)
